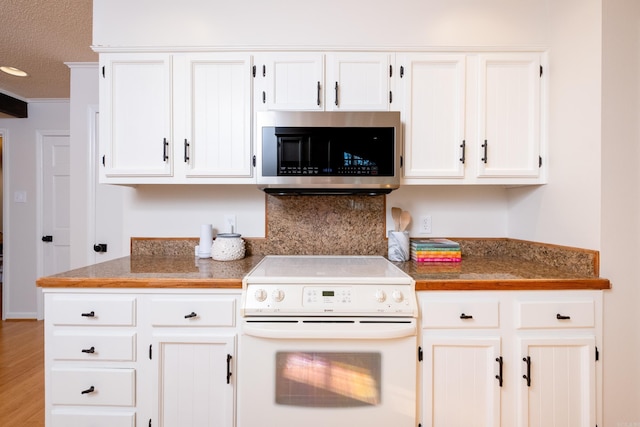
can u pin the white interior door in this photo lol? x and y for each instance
(55, 225)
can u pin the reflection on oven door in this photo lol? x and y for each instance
(326, 382)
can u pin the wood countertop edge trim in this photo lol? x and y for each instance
(158, 283)
(513, 285)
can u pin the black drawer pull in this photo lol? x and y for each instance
(89, 390)
(89, 350)
(466, 316)
(499, 376)
(190, 315)
(561, 317)
(89, 314)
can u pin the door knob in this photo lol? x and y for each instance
(47, 238)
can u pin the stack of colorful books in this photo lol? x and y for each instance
(435, 250)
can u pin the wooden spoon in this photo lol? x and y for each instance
(405, 219)
(395, 214)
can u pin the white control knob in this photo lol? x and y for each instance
(278, 295)
(380, 295)
(260, 295)
(397, 296)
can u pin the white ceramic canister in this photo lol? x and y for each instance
(227, 247)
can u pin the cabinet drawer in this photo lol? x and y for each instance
(93, 310)
(460, 314)
(193, 310)
(85, 386)
(560, 314)
(75, 418)
(71, 345)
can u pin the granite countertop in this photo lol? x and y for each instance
(472, 273)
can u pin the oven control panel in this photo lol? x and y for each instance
(330, 299)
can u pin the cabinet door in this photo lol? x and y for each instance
(434, 115)
(290, 81)
(135, 115)
(561, 386)
(460, 388)
(358, 82)
(195, 385)
(509, 115)
(217, 141)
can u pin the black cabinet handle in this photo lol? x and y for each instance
(47, 239)
(229, 368)
(527, 376)
(499, 376)
(264, 97)
(190, 315)
(89, 314)
(485, 146)
(466, 316)
(165, 149)
(318, 93)
(186, 151)
(561, 317)
(336, 89)
(463, 146)
(89, 390)
(89, 350)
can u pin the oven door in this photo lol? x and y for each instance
(317, 372)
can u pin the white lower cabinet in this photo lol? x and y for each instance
(515, 358)
(193, 353)
(126, 358)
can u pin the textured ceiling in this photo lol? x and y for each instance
(39, 36)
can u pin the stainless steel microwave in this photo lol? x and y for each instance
(328, 152)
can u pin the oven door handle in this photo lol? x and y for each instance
(374, 331)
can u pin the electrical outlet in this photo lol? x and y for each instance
(230, 222)
(424, 225)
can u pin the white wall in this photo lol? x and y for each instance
(21, 237)
(620, 247)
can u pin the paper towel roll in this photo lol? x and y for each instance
(206, 240)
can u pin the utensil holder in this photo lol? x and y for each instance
(398, 246)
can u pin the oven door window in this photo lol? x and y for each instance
(326, 379)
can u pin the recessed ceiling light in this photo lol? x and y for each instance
(13, 71)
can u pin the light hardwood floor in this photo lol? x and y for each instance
(22, 373)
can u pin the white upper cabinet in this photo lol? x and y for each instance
(472, 118)
(434, 115)
(135, 116)
(217, 135)
(359, 82)
(298, 81)
(509, 115)
(176, 118)
(290, 81)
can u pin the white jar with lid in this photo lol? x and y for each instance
(227, 247)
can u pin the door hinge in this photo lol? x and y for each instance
(149, 422)
(254, 161)
(401, 160)
(419, 354)
(104, 160)
(150, 351)
(401, 71)
(539, 161)
(390, 70)
(597, 354)
(254, 71)
(390, 97)
(541, 71)
(103, 71)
